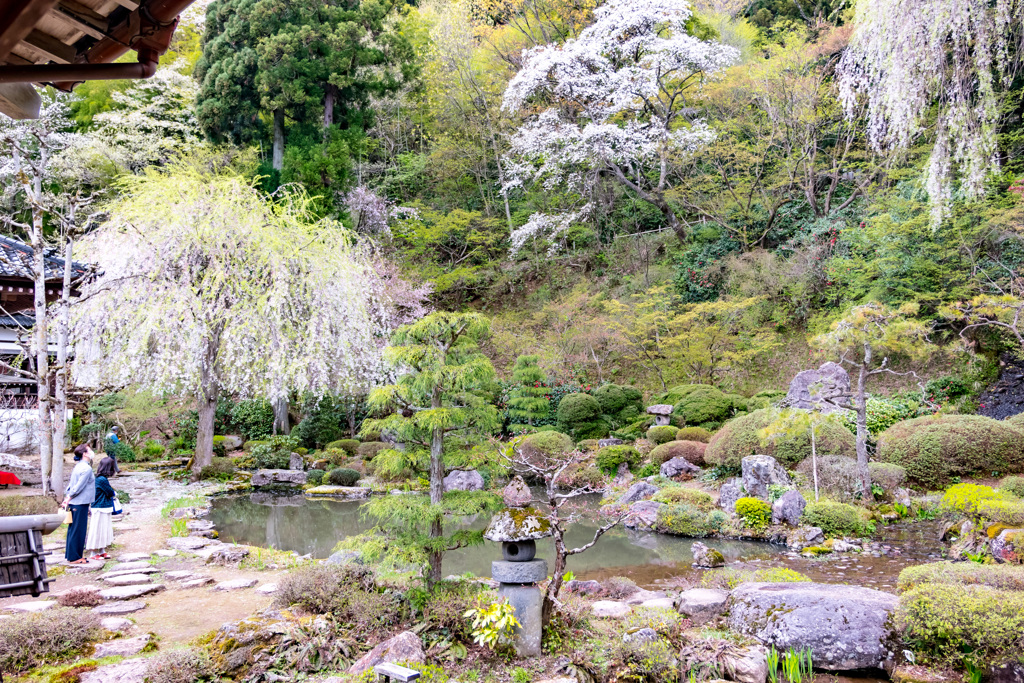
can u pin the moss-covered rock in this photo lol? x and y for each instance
(887, 475)
(518, 524)
(936, 448)
(739, 438)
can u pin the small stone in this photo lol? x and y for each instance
(296, 463)
(706, 557)
(638, 491)
(267, 589)
(189, 543)
(166, 553)
(180, 575)
(199, 525)
(464, 480)
(89, 566)
(228, 555)
(658, 603)
(517, 494)
(602, 443)
(405, 647)
(643, 635)
(235, 584)
(749, 665)
(701, 605)
(129, 592)
(610, 609)
(197, 582)
(805, 537)
(126, 607)
(126, 579)
(116, 623)
(32, 607)
(144, 570)
(125, 527)
(123, 647)
(583, 587)
(642, 595)
(728, 495)
(132, 557)
(789, 508)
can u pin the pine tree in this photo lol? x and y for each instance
(528, 403)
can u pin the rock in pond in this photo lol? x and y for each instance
(729, 494)
(405, 647)
(805, 537)
(643, 515)
(638, 491)
(789, 508)
(349, 492)
(285, 477)
(706, 557)
(464, 480)
(702, 605)
(678, 466)
(845, 627)
(760, 472)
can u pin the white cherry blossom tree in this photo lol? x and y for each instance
(611, 103)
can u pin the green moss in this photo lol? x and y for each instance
(678, 494)
(705, 403)
(755, 513)
(1002, 576)
(835, 519)
(936, 448)
(661, 434)
(739, 438)
(610, 457)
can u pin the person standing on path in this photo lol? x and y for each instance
(101, 527)
(111, 446)
(78, 496)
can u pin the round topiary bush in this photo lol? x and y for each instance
(739, 438)
(610, 457)
(368, 450)
(580, 476)
(936, 448)
(835, 519)
(693, 434)
(887, 475)
(545, 445)
(621, 404)
(692, 451)
(701, 500)
(1012, 485)
(755, 513)
(350, 446)
(342, 476)
(661, 434)
(704, 403)
(580, 415)
(315, 477)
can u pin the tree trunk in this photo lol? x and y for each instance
(814, 462)
(557, 576)
(62, 377)
(209, 391)
(436, 491)
(351, 420)
(40, 341)
(278, 159)
(328, 108)
(862, 427)
(281, 423)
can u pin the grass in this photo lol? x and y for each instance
(65, 673)
(192, 500)
(262, 559)
(11, 506)
(179, 528)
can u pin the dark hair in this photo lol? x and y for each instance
(106, 467)
(80, 450)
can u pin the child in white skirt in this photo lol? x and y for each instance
(101, 526)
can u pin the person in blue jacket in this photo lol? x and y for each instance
(101, 526)
(112, 440)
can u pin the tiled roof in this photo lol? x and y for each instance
(16, 261)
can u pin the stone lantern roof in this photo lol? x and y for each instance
(513, 525)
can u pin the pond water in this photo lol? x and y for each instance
(315, 526)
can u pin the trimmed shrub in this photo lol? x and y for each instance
(936, 448)
(662, 434)
(59, 633)
(701, 500)
(266, 457)
(738, 438)
(621, 404)
(764, 399)
(675, 394)
(834, 519)
(634, 430)
(965, 498)
(1003, 576)
(610, 457)
(1013, 486)
(887, 475)
(342, 476)
(693, 434)
(837, 476)
(578, 476)
(959, 624)
(545, 445)
(315, 477)
(692, 451)
(368, 450)
(705, 403)
(755, 513)
(350, 446)
(580, 415)
(683, 520)
(219, 468)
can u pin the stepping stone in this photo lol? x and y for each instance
(128, 671)
(659, 603)
(116, 623)
(267, 589)
(125, 527)
(189, 544)
(128, 566)
(166, 553)
(181, 575)
(30, 607)
(146, 570)
(124, 647)
(130, 592)
(126, 579)
(132, 557)
(89, 566)
(235, 584)
(126, 607)
(197, 582)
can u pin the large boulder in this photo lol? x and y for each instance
(810, 388)
(405, 647)
(678, 466)
(643, 515)
(701, 605)
(464, 480)
(789, 508)
(845, 627)
(730, 492)
(638, 491)
(517, 494)
(278, 477)
(1008, 546)
(760, 472)
(706, 557)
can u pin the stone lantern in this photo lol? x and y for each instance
(517, 527)
(662, 414)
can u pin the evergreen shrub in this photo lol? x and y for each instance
(57, 634)
(966, 498)
(739, 438)
(350, 446)
(315, 477)
(701, 500)
(693, 434)
(580, 415)
(253, 418)
(705, 403)
(1002, 576)
(545, 445)
(887, 475)
(621, 404)
(755, 513)
(834, 519)
(1013, 486)
(681, 519)
(610, 457)
(576, 477)
(342, 476)
(692, 451)
(662, 434)
(368, 450)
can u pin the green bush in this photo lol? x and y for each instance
(315, 477)
(965, 498)
(701, 500)
(580, 415)
(342, 476)
(1008, 513)
(675, 394)
(574, 477)
(755, 513)
(120, 451)
(887, 475)
(935, 449)
(610, 457)
(265, 457)
(219, 450)
(635, 430)
(368, 450)
(764, 399)
(882, 413)
(1013, 486)
(545, 445)
(838, 476)
(335, 456)
(835, 519)
(956, 625)
(350, 446)
(621, 404)
(348, 592)
(704, 403)
(681, 519)
(221, 469)
(693, 434)
(662, 434)
(326, 420)
(739, 438)
(152, 450)
(249, 445)
(692, 451)
(59, 633)
(1003, 576)
(254, 419)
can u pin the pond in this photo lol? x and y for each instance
(315, 526)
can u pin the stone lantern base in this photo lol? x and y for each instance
(517, 582)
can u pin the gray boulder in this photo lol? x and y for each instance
(295, 462)
(580, 587)
(789, 508)
(271, 477)
(345, 557)
(464, 480)
(601, 443)
(730, 492)
(677, 466)
(701, 605)
(805, 537)
(405, 647)
(746, 665)
(810, 387)
(232, 443)
(638, 491)
(706, 557)
(643, 515)
(517, 494)
(760, 472)
(845, 627)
